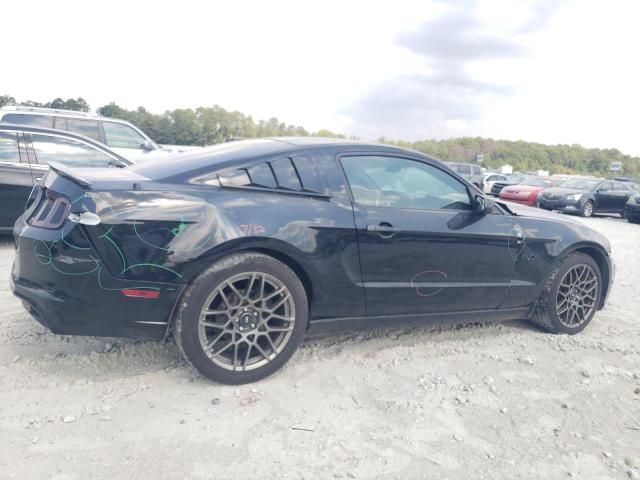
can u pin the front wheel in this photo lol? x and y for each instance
(587, 209)
(242, 319)
(570, 296)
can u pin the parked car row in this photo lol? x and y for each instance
(578, 195)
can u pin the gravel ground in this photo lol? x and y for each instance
(494, 401)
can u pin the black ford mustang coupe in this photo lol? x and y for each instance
(239, 249)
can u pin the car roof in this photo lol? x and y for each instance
(230, 154)
(50, 112)
(63, 133)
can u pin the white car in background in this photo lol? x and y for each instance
(119, 135)
(490, 179)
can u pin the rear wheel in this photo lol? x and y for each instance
(587, 209)
(570, 296)
(242, 319)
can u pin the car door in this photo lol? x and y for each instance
(16, 179)
(125, 140)
(605, 198)
(621, 194)
(422, 248)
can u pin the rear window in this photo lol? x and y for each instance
(28, 119)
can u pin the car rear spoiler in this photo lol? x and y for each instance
(66, 172)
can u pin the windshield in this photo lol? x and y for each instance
(579, 184)
(536, 182)
(516, 179)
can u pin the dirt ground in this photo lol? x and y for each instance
(494, 401)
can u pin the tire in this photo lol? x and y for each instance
(633, 219)
(550, 312)
(247, 343)
(587, 209)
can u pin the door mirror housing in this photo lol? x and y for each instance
(147, 146)
(482, 204)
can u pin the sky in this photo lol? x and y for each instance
(549, 71)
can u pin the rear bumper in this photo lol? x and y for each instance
(69, 290)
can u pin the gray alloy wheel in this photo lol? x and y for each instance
(576, 297)
(587, 209)
(570, 296)
(246, 321)
(242, 318)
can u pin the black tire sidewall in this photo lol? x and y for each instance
(570, 262)
(189, 314)
(583, 212)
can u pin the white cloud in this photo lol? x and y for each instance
(506, 69)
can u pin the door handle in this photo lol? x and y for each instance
(384, 229)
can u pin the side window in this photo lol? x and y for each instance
(295, 174)
(28, 119)
(60, 123)
(402, 183)
(464, 169)
(9, 147)
(122, 136)
(605, 187)
(49, 148)
(88, 128)
(619, 187)
(477, 171)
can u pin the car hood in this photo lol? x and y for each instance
(521, 188)
(564, 191)
(524, 211)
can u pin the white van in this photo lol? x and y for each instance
(119, 135)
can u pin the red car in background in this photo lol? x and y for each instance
(526, 192)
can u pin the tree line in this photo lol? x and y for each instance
(211, 125)
(528, 156)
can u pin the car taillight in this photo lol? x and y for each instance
(51, 213)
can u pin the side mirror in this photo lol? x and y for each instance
(482, 204)
(116, 164)
(147, 146)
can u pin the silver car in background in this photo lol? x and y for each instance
(471, 173)
(120, 136)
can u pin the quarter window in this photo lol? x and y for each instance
(88, 128)
(122, 136)
(403, 183)
(28, 119)
(49, 148)
(9, 147)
